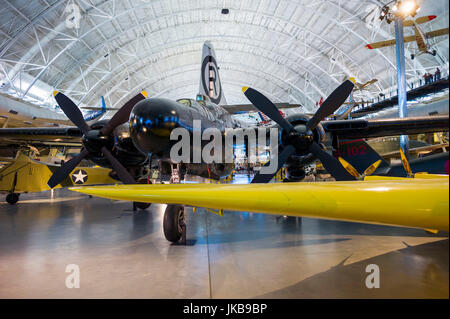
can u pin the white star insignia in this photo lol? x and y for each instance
(79, 177)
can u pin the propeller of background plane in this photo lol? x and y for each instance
(301, 137)
(94, 137)
(368, 172)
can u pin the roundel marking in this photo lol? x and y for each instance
(79, 177)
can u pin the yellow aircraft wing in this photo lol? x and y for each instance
(437, 33)
(387, 43)
(418, 202)
(411, 38)
(420, 20)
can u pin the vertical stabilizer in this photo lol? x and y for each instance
(103, 105)
(210, 84)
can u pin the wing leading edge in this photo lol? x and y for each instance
(417, 203)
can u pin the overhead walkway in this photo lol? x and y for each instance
(414, 93)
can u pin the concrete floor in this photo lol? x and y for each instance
(122, 254)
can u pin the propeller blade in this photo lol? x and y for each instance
(405, 163)
(282, 158)
(372, 168)
(72, 111)
(331, 164)
(349, 167)
(263, 104)
(123, 114)
(331, 104)
(121, 171)
(65, 169)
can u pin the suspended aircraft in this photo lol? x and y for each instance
(139, 134)
(421, 37)
(363, 86)
(96, 112)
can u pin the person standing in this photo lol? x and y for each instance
(437, 75)
(425, 77)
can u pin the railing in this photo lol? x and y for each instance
(410, 85)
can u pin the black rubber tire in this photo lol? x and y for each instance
(173, 217)
(12, 198)
(412, 56)
(139, 205)
(142, 205)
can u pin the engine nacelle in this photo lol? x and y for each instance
(299, 122)
(302, 156)
(120, 145)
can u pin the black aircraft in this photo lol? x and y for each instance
(139, 133)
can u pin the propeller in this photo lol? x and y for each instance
(405, 163)
(94, 140)
(354, 172)
(300, 141)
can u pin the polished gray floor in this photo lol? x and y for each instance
(122, 254)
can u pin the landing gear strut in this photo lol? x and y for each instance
(12, 198)
(174, 224)
(143, 206)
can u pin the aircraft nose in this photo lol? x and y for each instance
(151, 122)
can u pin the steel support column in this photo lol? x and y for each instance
(401, 80)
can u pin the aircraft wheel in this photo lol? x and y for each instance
(142, 206)
(173, 222)
(434, 53)
(412, 56)
(12, 198)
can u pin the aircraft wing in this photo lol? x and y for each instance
(388, 43)
(43, 135)
(437, 33)
(362, 128)
(241, 108)
(420, 20)
(418, 202)
(417, 150)
(97, 108)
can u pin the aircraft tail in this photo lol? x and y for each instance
(103, 104)
(210, 84)
(360, 155)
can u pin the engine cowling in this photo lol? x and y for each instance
(299, 122)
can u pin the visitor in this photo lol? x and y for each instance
(437, 74)
(425, 77)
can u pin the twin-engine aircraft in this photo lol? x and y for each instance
(418, 201)
(139, 134)
(419, 36)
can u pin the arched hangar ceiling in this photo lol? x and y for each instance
(292, 50)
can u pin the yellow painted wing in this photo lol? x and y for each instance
(437, 33)
(419, 203)
(387, 43)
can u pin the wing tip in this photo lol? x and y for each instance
(244, 89)
(55, 92)
(369, 46)
(145, 94)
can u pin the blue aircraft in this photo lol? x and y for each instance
(94, 113)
